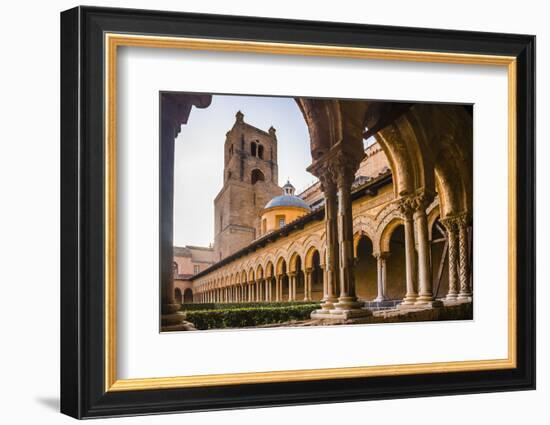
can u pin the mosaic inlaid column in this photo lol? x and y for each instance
(464, 269)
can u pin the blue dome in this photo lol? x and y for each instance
(287, 201)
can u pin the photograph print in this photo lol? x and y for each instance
(294, 211)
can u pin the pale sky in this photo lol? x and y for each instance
(198, 174)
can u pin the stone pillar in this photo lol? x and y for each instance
(407, 208)
(347, 166)
(324, 277)
(331, 284)
(451, 225)
(278, 285)
(465, 293)
(267, 286)
(425, 283)
(381, 275)
(292, 286)
(175, 110)
(307, 283)
(260, 294)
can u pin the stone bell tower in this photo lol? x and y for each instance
(250, 180)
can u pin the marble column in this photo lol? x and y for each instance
(331, 284)
(267, 285)
(425, 282)
(406, 207)
(346, 166)
(292, 286)
(260, 286)
(307, 283)
(465, 293)
(381, 269)
(278, 288)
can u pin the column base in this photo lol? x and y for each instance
(337, 314)
(429, 303)
(348, 303)
(328, 303)
(173, 321)
(408, 302)
(381, 298)
(465, 297)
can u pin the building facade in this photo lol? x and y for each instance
(287, 259)
(189, 261)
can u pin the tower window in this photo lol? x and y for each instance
(196, 269)
(281, 220)
(256, 176)
(264, 226)
(253, 148)
(260, 152)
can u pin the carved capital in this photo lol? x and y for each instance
(344, 166)
(381, 255)
(415, 204)
(450, 223)
(406, 207)
(464, 219)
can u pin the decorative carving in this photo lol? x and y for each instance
(464, 270)
(407, 207)
(451, 225)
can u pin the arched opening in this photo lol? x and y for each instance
(188, 295)
(260, 152)
(396, 286)
(177, 295)
(253, 148)
(300, 279)
(316, 277)
(440, 259)
(256, 176)
(282, 270)
(366, 276)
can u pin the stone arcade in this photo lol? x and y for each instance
(389, 225)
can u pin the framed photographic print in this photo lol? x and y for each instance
(261, 212)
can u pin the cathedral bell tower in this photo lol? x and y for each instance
(250, 180)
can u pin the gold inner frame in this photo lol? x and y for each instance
(113, 41)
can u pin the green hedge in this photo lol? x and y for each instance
(246, 317)
(228, 306)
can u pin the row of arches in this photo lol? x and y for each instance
(296, 275)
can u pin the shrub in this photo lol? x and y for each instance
(228, 306)
(246, 317)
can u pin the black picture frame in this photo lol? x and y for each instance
(83, 392)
